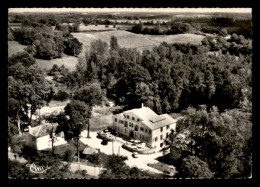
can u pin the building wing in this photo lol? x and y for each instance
(150, 118)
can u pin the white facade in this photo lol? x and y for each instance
(141, 124)
(35, 140)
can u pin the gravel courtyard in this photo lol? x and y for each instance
(140, 162)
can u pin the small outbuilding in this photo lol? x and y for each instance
(90, 151)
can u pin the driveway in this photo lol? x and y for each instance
(140, 162)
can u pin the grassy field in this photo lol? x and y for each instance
(68, 61)
(95, 28)
(139, 41)
(14, 47)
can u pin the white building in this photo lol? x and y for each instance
(39, 137)
(145, 125)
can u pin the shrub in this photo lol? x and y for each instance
(61, 96)
(67, 156)
(22, 57)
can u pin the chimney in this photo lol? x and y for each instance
(142, 105)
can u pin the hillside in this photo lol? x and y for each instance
(125, 39)
(139, 41)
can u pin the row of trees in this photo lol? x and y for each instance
(181, 74)
(241, 27)
(27, 90)
(45, 43)
(170, 28)
(236, 45)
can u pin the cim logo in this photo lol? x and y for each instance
(37, 169)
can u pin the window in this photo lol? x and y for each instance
(155, 139)
(145, 130)
(133, 118)
(142, 129)
(126, 124)
(115, 120)
(161, 137)
(138, 120)
(161, 144)
(150, 132)
(127, 116)
(168, 126)
(136, 128)
(161, 129)
(167, 134)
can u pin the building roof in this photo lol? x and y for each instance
(150, 118)
(42, 130)
(89, 151)
(143, 113)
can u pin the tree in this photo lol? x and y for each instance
(25, 35)
(72, 46)
(12, 130)
(78, 115)
(95, 160)
(17, 145)
(180, 28)
(52, 118)
(23, 57)
(67, 156)
(17, 100)
(10, 34)
(217, 139)
(193, 167)
(114, 43)
(116, 167)
(137, 28)
(91, 94)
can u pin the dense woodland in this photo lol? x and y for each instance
(213, 92)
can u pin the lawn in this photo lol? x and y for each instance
(68, 61)
(178, 38)
(100, 122)
(101, 117)
(14, 47)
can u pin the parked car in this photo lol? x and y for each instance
(104, 142)
(135, 154)
(26, 129)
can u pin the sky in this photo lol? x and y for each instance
(196, 10)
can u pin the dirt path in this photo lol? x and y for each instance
(90, 169)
